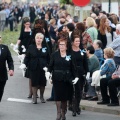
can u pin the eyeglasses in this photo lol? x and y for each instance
(62, 44)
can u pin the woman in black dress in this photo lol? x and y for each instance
(25, 35)
(25, 40)
(82, 68)
(37, 57)
(63, 72)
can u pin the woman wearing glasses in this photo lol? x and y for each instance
(63, 72)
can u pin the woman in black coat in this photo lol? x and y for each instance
(63, 72)
(37, 57)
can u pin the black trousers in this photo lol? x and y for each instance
(77, 94)
(113, 85)
(103, 87)
(2, 85)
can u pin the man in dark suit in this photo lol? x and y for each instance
(5, 56)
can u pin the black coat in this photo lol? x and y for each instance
(60, 65)
(33, 59)
(5, 56)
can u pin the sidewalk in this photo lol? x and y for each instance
(92, 106)
(85, 104)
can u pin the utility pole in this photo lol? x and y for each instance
(109, 7)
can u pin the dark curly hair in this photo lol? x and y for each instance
(63, 35)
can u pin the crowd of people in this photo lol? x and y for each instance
(11, 15)
(66, 53)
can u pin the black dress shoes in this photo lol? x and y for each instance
(113, 104)
(93, 99)
(74, 114)
(103, 102)
(87, 97)
(78, 111)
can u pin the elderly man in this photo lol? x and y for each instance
(5, 56)
(116, 45)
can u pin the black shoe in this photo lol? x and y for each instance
(103, 102)
(74, 114)
(78, 111)
(113, 104)
(86, 98)
(50, 99)
(93, 99)
(29, 96)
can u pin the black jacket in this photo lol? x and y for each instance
(33, 59)
(5, 56)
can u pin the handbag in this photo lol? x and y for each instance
(11, 18)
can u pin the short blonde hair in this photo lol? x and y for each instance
(39, 35)
(90, 22)
(109, 52)
(52, 21)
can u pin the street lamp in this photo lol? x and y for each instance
(109, 7)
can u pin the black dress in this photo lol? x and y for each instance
(82, 65)
(36, 60)
(25, 38)
(58, 66)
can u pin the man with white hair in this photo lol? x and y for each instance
(116, 45)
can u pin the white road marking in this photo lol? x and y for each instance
(19, 100)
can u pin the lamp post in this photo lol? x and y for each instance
(109, 7)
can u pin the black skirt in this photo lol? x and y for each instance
(62, 90)
(37, 77)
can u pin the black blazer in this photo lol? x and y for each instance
(5, 56)
(33, 59)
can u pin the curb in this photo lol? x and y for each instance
(93, 107)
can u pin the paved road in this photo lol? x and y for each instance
(17, 87)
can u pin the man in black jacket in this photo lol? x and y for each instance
(5, 56)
